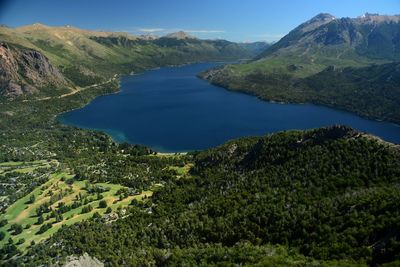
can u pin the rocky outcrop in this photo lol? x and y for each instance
(83, 261)
(25, 71)
(37, 66)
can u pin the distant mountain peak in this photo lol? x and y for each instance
(315, 22)
(180, 35)
(323, 16)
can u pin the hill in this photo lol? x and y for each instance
(290, 70)
(326, 193)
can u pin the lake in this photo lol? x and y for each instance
(171, 110)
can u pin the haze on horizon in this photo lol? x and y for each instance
(254, 20)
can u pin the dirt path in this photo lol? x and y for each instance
(74, 90)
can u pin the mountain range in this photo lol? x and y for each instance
(344, 51)
(42, 60)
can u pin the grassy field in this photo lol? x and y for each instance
(60, 189)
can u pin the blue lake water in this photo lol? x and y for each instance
(171, 110)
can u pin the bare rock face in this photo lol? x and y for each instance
(37, 66)
(9, 66)
(25, 71)
(14, 89)
(83, 261)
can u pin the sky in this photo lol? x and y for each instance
(234, 20)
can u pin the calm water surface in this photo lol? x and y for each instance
(171, 110)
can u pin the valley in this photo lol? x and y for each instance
(257, 184)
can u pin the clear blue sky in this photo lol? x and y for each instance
(236, 20)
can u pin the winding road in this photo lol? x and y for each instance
(74, 90)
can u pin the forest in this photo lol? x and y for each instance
(320, 197)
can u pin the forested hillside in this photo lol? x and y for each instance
(330, 194)
(371, 91)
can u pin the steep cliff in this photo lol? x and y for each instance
(24, 70)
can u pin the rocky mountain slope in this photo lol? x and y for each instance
(371, 35)
(68, 55)
(343, 51)
(23, 71)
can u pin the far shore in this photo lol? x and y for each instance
(170, 153)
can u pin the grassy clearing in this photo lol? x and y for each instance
(181, 171)
(60, 189)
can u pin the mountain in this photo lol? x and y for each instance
(77, 58)
(291, 69)
(292, 39)
(371, 35)
(180, 35)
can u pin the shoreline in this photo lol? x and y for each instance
(118, 89)
(272, 101)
